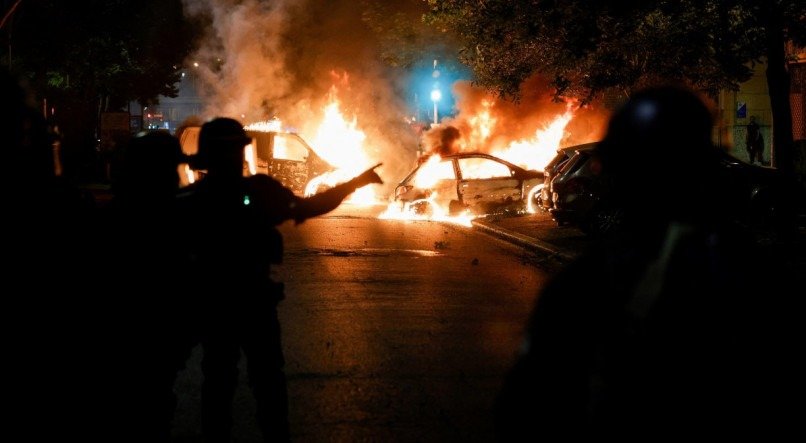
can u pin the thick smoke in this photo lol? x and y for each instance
(264, 59)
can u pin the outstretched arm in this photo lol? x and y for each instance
(330, 199)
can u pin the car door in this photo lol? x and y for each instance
(486, 184)
(288, 161)
(435, 180)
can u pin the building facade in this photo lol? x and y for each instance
(753, 100)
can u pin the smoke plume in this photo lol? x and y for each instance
(284, 59)
(261, 59)
(508, 121)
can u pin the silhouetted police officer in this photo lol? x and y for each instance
(232, 222)
(666, 329)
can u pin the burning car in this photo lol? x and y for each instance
(474, 182)
(283, 155)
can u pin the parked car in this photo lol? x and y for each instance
(577, 196)
(480, 183)
(565, 160)
(761, 201)
(283, 155)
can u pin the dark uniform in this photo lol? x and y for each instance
(235, 240)
(665, 329)
(233, 243)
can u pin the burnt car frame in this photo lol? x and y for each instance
(476, 182)
(283, 155)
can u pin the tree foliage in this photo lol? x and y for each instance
(588, 46)
(114, 50)
(404, 40)
(82, 58)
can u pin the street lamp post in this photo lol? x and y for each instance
(435, 96)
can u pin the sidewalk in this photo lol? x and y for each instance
(536, 232)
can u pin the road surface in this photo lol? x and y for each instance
(393, 331)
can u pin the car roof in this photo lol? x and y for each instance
(467, 154)
(470, 154)
(582, 147)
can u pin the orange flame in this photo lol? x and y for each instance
(339, 142)
(408, 211)
(482, 124)
(251, 158)
(428, 175)
(537, 152)
(532, 153)
(273, 125)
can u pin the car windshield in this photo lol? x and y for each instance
(558, 160)
(571, 164)
(288, 148)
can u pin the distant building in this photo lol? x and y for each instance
(753, 99)
(170, 112)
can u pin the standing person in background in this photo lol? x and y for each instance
(754, 142)
(234, 242)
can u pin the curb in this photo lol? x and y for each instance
(522, 240)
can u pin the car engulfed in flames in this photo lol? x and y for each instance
(283, 155)
(469, 183)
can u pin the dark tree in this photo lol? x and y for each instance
(590, 46)
(84, 58)
(404, 40)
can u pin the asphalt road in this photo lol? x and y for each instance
(393, 331)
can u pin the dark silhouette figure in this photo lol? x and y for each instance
(147, 267)
(46, 242)
(675, 326)
(234, 243)
(754, 142)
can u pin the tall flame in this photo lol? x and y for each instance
(537, 151)
(482, 124)
(339, 142)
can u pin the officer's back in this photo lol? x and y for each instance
(231, 219)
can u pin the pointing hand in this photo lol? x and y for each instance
(369, 177)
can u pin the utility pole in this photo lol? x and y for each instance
(436, 94)
(6, 18)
